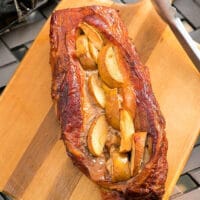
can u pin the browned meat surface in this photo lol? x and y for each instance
(75, 110)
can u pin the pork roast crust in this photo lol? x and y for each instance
(68, 96)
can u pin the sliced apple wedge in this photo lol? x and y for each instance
(110, 66)
(139, 139)
(93, 35)
(132, 164)
(97, 135)
(120, 167)
(127, 130)
(83, 53)
(129, 100)
(105, 87)
(94, 51)
(96, 89)
(112, 107)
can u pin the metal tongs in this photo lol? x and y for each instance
(168, 14)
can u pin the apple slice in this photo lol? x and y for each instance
(127, 130)
(96, 89)
(110, 66)
(120, 167)
(97, 135)
(105, 87)
(93, 35)
(132, 164)
(112, 107)
(94, 51)
(139, 140)
(83, 53)
(129, 99)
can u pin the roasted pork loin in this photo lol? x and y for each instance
(111, 123)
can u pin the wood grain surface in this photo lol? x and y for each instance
(33, 161)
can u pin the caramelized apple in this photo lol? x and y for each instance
(96, 89)
(110, 66)
(94, 51)
(97, 135)
(112, 107)
(139, 140)
(120, 167)
(129, 99)
(93, 35)
(127, 130)
(132, 164)
(83, 53)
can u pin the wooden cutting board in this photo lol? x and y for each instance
(33, 162)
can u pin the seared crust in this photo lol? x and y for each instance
(69, 96)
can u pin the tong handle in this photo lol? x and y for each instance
(167, 13)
